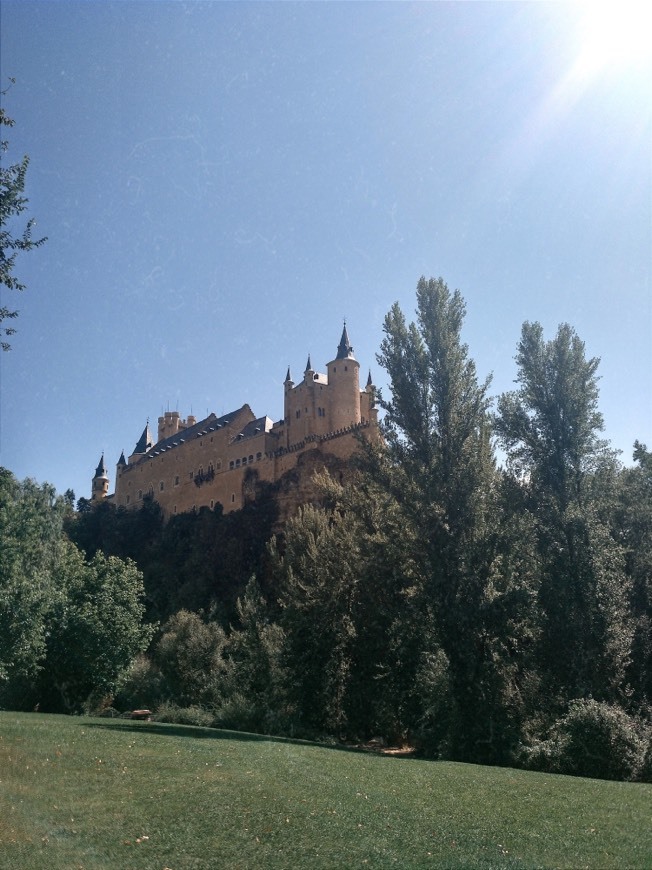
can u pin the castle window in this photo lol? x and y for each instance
(212, 500)
(251, 458)
(176, 480)
(175, 509)
(232, 498)
(161, 486)
(127, 499)
(244, 460)
(298, 414)
(346, 368)
(237, 463)
(231, 464)
(259, 456)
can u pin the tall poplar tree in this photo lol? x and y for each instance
(550, 429)
(442, 473)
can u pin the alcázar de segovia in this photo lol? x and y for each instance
(222, 460)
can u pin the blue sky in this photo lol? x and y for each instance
(222, 183)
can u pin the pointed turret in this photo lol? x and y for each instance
(100, 484)
(288, 377)
(144, 443)
(122, 460)
(344, 349)
(309, 367)
(100, 471)
(344, 386)
(370, 383)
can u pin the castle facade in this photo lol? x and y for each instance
(194, 464)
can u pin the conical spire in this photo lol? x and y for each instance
(370, 383)
(288, 377)
(309, 365)
(122, 460)
(100, 471)
(145, 441)
(344, 350)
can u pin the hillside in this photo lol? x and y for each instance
(93, 793)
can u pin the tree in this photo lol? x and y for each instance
(190, 655)
(442, 473)
(12, 204)
(549, 428)
(255, 697)
(318, 582)
(633, 527)
(549, 425)
(95, 629)
(31, 546)
(68, 627)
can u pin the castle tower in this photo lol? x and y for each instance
(368, 409)
(344, 386)
(100, 485)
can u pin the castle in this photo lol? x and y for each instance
(194, 464)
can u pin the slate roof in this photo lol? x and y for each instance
(100, 471)
(262, 424)
(145, 441)
(203, 427)
(344, 350)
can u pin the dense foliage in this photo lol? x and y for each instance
(13, 203)
(482, 613)
(69, 627)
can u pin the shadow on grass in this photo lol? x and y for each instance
(198, 733)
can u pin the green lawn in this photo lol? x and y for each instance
(93, 793)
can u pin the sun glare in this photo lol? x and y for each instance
(614, 34)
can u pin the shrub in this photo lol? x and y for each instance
(593, 739)
(168, 712)
(141, 686)
(645, 774)
(189, 654)
(238, 713)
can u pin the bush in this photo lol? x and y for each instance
(238, 713)
(593, 739)
(168, 712)
(141, 686)
(645, 774)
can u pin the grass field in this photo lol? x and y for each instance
(93, 793)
